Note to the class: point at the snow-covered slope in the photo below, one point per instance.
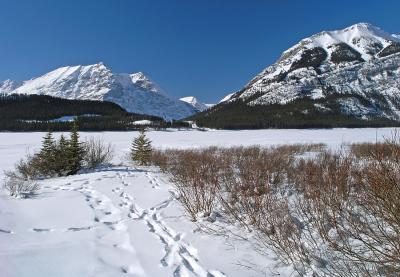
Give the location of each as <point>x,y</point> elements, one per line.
<point>193,101</point>
<point>134,92</point>
<point>8,85</point>
<point>359,64</point>
<point>227,97</point>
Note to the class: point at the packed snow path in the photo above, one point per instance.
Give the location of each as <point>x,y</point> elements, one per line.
<point>121,221</point>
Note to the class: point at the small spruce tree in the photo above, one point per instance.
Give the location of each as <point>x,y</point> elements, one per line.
<point>46,157</point>
<point>75,151</point>
<point>141,149</point>
<point>61,153</point>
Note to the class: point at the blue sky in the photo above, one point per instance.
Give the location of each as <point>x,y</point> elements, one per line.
<point>202,48</point>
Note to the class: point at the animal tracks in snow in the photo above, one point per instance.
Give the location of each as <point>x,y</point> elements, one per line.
<point>153,181</point>
<point>177,253</point>
<point>6,231</point>
<point>111,212</point>
<point>41,230</point>
<point>117,237</point>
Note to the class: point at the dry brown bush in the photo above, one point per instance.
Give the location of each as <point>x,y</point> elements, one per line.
<point>97,152</point>
<point>196,175</point>
<point>160,158</point>
<point>334,214</point>
<point>354,205</point>
<point>370,150</point>
<point>256,196</point>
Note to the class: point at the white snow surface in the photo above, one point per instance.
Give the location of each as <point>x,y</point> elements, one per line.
<point>124,220</point>
<point>142,122</point>
<point>70,118</point>
<point>134,92</point>
<point>226,98</point>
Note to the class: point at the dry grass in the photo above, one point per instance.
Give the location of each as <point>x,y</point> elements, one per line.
<point>18,186</point>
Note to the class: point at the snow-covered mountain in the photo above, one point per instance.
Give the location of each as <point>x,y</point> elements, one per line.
<point>198,105</point>
<point>134,92</point>
<point>356,69</point>
<point>8,86</point>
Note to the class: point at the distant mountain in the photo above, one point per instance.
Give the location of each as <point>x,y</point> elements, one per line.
<point>134,92</point>
<point>193,101</point>
<point>333,78</point>
<point>8,86</point>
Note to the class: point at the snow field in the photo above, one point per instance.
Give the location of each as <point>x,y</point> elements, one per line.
<point>126,221</point>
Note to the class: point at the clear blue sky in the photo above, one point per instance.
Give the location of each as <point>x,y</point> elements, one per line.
<point>202,48</point>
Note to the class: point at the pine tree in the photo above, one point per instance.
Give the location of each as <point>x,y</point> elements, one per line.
<point>75,151</point>
<point>141,149</point>
<point>61,162</point>
<point>46,156</point>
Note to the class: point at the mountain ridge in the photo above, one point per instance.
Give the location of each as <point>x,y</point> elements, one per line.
<point>134,92</point>
<point>196,103</point>
<point>359,66</point>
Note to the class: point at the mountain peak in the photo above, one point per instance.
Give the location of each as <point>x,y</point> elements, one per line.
<point>133,92</point>
<point>142,81</point>
<point>140,77</point>
<point>8,85</point>
<point>193,101</point>
<point>361,61</point>
<point>6,82</point>
<point>363,26</point>
<point>329,50</point>
<point>99,66</point>
<point>367,29</point>
<point>358,35</point>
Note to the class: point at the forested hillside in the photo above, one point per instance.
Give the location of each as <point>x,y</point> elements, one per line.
<point>41,112</point>
<point>300,113</point>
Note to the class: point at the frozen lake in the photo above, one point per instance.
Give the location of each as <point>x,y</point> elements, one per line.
<point>13,146</point>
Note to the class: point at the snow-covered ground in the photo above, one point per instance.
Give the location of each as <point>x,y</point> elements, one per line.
<point>124,220</point>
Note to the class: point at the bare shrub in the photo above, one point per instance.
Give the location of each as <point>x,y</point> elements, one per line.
<point>29,168</point>
<point>354,206</point>
<point>373,221</point>
<point>334,214</point>
<point>378,225</point>
<point>196,177</point>
<point>323,182</point>
<point>255,195</point>
<point>18,186</point>
<point>97,152</point>
<point>369,150</point>
<point>160,158</point>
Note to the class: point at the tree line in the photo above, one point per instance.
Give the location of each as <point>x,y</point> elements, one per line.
<point>40,113</point>
<point>298,114</point>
